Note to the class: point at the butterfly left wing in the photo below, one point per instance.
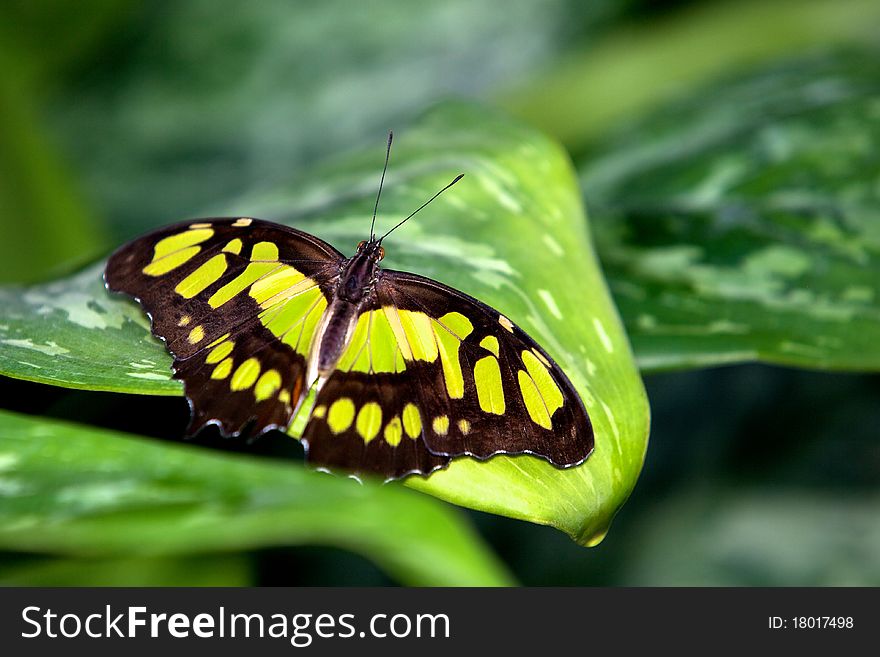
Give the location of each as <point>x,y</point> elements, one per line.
<point>237,302</point>
<point>432,373</point>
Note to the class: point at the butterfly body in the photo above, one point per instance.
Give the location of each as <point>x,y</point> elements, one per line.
<point>355,289</point>
<point>406,373</point>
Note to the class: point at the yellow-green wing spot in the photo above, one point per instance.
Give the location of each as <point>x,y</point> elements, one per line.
<point>490,343</point>
<point>168,245</point>
<point>490,392</point>
<point>533,401</point>
<point>265,251</point>
<point>171,262</point>
<point>449,331</point>
<point>220,352</point>
<point>440,425</point>
<point>540,391</point>
<point>393,431</point>
<point>222,370</point>
<point>196,335</point>
<point>233,246</point>
<point>412,421</point>
<point>340,415</point>
<point>267,384</point>
<point>547,386</point>
<point>369,421</point>
<point>171,252</point>
<point>246,375</point>
<point>203,277</point>
<point>544,381</point>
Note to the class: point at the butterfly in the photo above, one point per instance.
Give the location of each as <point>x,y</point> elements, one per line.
<point>403,373</point>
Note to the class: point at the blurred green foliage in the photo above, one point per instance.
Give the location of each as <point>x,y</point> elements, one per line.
<point>740,222</point>
<point>728,160</point>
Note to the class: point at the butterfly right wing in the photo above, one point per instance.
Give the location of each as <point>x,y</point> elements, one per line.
<point>430,374</point>
<point>237,302</point>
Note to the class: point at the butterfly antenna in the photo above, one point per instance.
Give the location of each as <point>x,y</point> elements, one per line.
<point>457,178</point>
<point>381,182</point>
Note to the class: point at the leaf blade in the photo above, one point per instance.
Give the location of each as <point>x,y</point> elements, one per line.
<point>85,492</point>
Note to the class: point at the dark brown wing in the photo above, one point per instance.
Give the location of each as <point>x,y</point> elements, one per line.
<point>455,375</point>
<point>237,301</point>
<point>383,435</point>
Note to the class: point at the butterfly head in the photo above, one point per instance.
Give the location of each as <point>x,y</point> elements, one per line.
<point>372,249</point>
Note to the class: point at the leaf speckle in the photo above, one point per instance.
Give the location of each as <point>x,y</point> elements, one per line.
<point>49,348</point>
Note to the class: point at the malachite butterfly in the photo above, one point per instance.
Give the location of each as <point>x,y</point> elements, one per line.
<point>401,373</point>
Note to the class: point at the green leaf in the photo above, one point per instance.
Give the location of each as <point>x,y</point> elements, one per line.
<point>72,333</point>
<point>741,223</point>
<point>72,490</point>
<point>200,570</point>
<point>512,234</point>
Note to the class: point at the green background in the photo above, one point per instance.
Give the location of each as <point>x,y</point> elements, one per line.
<point>727,156</point>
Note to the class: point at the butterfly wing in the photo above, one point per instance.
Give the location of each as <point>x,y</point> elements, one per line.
<point>237,302</point>
<point>432,373</point>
